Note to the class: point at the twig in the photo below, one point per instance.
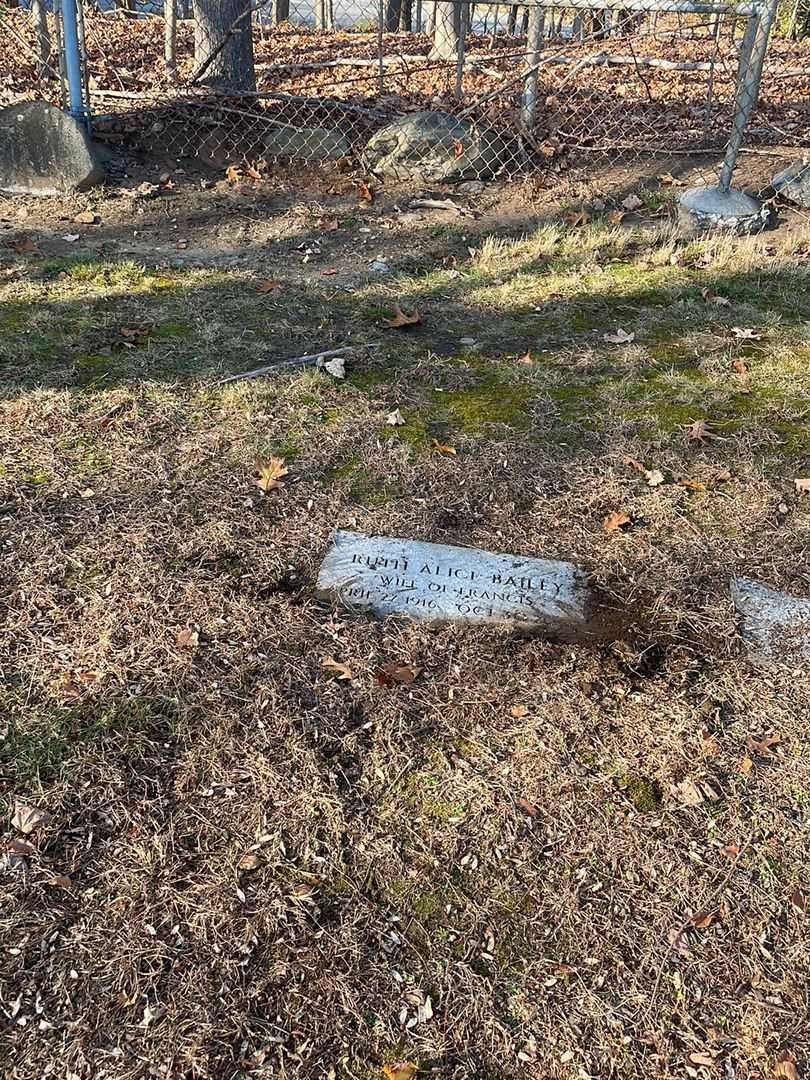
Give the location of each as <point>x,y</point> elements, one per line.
<point>294,361</point>
<point>440,204</point>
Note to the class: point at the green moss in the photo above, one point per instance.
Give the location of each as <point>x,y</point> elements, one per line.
<point>492,401</point>
<point>172,330</point>
<point>643,793</point>
<point>365,486</point>
<point>12,317</point>
<point>445,811</point>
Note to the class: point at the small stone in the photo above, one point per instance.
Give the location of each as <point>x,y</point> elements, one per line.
<point>444,583</point>
<point>774,625</point>
<point>44,151</point>
<point>85,217</point>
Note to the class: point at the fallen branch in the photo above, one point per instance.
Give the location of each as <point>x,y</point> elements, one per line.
<point>440,204</point>
<point>293,362</point>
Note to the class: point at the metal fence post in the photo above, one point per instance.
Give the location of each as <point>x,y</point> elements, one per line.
<point>73,63</point>
<point>752,58</point>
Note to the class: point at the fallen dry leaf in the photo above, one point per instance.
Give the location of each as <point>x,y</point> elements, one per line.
<point>616,217</point>
<point>397,674</point>
<point>336,367</point>
<point>712,297</point>
<point>85,217</point>
<point>740,367</point>
<point>802,485</point>
<point>654,477</point>
<point>615,521</point>
<point>785,1067</point>
<point>249,861</point>
<point>527,807</point>
<point>188,638</point>
<point>698,431</point>
<point>687,792</point>
<point>330,271</point>
<point>525,359</point>
<point>632,202</point>
<point>443,448</point>
<point>745,333</point>
<point>402,318</point>
<point>632,463</point>
<point>328,224</point>
<point>24,246</point>
<point>703,919</point>
<point>340,671</point>
<point>268,286</point>
<point>519,711</point>
<point>763,746</point>
<point>17,851</point>
<point>27,818</point>
<point>366,193</point>
<point>270,474</point>
<point>621,337</point>
<point>577,217</point>
<point>746,765</point>
<point>400,1070</point>
<point>395,418</point>
<point>701,1058</point>
<point>60,881</point>
<point>233,174</point>
<point>798,900</point>
<point>693,485</point>
<point>731,850</point>
<point>668,178</point>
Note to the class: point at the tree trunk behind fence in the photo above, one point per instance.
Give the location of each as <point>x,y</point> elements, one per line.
<point>446,33</point>
<point>281,11</point>
<point>170,39</point>
<point>43,38</point>
<point>406,15</point>
<point>324,15</point>
<point>393,11</point>
<point>232,67</point>
<point>511,22</point>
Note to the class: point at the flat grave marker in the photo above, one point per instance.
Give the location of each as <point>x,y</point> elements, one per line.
<point>775,626</point>
<point>442,582</point>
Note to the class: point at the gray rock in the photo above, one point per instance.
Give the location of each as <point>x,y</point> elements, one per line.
<point>306,144</point>
<point>775,626</point>
<point>436,146</point>
<point>44,151</point>
<point>708,209</point>
<point>794,183</point>
<point>456,584</point>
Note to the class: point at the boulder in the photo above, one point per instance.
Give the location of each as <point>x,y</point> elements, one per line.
<point>306,144</point>
<point>44,151</point>
<point>794,183</point>
<point>436,146</point>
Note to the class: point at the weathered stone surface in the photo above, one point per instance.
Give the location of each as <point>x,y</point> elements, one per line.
<point>794,183</point>
<point>44,151</point>
<point>708,209</point>
<point>445,583</point>
<point>435,146</point>
<point>775,626</point>
<point>306,144</point>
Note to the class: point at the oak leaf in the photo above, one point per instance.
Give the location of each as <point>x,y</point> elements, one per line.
<point>621,337</point>
<point>395,418</point>
<point>785,1068</point>
<point>698,431</point>
<point>233,174</point>
<point>340,671</point>
<point>400,1070</point>
<point>577,217</point>
<point>366,193</point>
<point>402,318</point>
<point>615,520</point>
<point>188,638</point>
<point>745,333</point>
<point>397,674</point>
<point>268,286</point>
<point>654,477</point>
<point>740,367</point>
<point>616,217</point>
<point>27,818</point>
<point>443,448</point>
<point>25,246</point>
<point>712,297</point>
<point>270,474</point>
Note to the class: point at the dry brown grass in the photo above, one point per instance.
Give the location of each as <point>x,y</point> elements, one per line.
<point>270,868</point>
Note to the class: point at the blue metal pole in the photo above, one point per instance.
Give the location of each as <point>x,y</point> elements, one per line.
<point>73,65</point>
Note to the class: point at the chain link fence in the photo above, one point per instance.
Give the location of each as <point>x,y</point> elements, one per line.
<point>446,91</point>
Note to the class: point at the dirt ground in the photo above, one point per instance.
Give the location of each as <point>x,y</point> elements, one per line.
<point>525,859</point>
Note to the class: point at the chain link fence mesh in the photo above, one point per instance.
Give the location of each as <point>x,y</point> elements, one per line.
<point>430,91</point>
